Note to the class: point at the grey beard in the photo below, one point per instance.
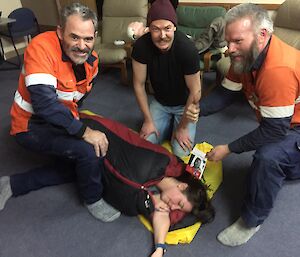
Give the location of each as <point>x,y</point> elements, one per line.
<point>238,67</point>
<point>245,67</point>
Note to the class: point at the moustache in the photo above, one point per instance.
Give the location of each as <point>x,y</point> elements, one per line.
<point>164,40</point>
<point>76,49</point>
<point>234,54</point>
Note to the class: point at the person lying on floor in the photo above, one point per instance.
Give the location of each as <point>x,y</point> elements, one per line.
<point>139,178</point>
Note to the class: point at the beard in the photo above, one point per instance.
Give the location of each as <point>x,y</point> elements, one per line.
<point>71,52</point>
<point>78,59</point>
<point>249,57</point>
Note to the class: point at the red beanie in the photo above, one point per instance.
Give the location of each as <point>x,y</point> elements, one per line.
<point>162,10</point>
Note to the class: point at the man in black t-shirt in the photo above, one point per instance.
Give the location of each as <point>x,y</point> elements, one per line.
<point>172,63</point>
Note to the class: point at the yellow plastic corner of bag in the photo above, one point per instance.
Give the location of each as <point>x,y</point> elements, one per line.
<point>178,236</point>
<point>213,177</point>
<point>87,112</point>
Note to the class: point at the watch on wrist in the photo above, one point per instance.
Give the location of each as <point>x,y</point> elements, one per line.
<point>163,246</point>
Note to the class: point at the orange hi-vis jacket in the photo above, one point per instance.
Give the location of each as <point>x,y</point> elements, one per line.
<point>44,66</point>
<point>274,90</point>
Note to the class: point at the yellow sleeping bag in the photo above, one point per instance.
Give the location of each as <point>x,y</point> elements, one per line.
<point>213,177</point>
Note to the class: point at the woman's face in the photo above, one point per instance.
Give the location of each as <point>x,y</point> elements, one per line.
<point>176,199</point>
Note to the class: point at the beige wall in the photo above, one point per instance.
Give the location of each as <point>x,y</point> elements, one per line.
<point>7,6</point>
<point>44,10</point>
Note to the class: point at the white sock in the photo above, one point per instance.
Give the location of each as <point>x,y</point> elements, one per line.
<point>103,211</point>
<point>5,191</point>
<point>237,234</point>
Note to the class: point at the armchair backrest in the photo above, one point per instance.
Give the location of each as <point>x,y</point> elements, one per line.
<point>286,23</point>
<point>117,14</point>
<point>194,20</point>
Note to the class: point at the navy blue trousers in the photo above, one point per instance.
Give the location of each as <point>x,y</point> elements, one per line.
<point>75,160</point>
<point>272,165</point>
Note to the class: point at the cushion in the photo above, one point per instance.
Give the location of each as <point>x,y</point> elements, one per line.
<point>109,53</point>
<point>213,177</point>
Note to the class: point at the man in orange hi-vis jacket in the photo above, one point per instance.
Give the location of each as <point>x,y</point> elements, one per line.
<point>58,72</point>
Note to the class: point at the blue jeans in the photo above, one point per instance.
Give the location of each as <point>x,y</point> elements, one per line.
<point>166,120</point>
<point>272,164</point>
<point>75,160</point>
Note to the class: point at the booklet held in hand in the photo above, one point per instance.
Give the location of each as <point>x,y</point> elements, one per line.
<point>197,163</point>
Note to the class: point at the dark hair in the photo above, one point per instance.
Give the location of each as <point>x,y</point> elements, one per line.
<point>196,193</point>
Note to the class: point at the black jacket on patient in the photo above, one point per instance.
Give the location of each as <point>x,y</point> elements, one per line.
<point>132,165</point>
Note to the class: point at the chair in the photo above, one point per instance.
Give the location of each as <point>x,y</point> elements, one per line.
<point>286,23</point>
<point>206,27</point>
<point>117,14</point>
<point>26,25</point>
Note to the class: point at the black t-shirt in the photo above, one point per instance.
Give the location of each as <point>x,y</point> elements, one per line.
<point>167,70</point>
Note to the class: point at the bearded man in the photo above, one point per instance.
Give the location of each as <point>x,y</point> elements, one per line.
<point>268,72</point>
<point>58,72</point>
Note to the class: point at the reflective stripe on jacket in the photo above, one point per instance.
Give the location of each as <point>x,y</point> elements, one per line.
<point>44,66</point>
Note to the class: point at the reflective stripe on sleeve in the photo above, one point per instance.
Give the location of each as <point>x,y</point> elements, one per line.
<point>22,103</point>
<point>230,85</point>
<point>252,104</point>
<point>40,78</point>
<point>297,100</point>
<point>69,96</point>
<point>277,112</point>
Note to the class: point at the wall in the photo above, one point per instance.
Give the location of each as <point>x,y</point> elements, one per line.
<point>7,7</point>
<point>44,10</point>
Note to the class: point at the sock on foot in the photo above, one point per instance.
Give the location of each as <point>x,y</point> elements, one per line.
<point>5,191</point>
<point>103,211</point>
<point>237,234</point>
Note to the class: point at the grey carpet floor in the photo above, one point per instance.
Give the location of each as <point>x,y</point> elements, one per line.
<point>52,222</point>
